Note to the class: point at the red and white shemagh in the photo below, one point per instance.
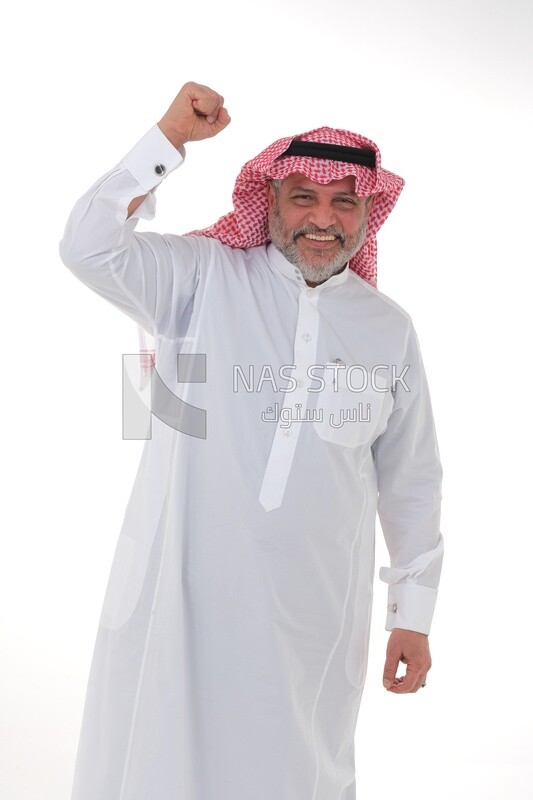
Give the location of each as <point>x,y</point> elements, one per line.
<point>247,225</point>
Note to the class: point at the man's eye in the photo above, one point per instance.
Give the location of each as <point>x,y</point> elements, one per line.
<point>301,197</point>
<point>347,201</point>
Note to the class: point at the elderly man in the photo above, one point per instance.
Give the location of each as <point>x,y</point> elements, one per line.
<point>232,648</point>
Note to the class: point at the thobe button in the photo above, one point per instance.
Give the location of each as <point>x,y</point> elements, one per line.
<point>393,608</point>
<point>309,292</point>
<point>307,337</point>
<point>299,383</point>
<point>287,432</point>
<point>160,169</point>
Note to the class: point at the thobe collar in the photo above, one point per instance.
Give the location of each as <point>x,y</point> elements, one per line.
<point>280,264</point>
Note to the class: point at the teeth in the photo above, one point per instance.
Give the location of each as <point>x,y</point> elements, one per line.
<point>319,238</point>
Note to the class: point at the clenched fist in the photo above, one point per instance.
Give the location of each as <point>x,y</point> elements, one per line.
<point>197,112</point>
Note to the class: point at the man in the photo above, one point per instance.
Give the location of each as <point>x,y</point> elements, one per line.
<point>232,648</point>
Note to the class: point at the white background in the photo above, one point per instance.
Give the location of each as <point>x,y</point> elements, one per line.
<point>444,89</point>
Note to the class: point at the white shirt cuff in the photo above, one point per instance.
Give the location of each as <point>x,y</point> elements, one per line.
<point>153,158</point>
<point>411,606</point>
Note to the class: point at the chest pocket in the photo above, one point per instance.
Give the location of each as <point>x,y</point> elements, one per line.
<point>351,416</point>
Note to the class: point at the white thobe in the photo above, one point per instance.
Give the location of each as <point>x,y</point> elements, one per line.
<point>232,646</point>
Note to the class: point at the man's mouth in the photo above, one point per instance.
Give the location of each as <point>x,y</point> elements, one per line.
<point>320,237</point>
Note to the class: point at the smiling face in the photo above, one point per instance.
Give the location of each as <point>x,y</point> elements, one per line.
<point>318,227</point>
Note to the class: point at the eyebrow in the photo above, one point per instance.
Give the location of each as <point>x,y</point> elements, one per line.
<point>313,191</point>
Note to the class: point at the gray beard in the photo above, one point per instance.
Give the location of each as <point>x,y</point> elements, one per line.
<point>312,274</point>
<point>319,274</point>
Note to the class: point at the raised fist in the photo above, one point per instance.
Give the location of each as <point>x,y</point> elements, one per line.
<point>197,112</point>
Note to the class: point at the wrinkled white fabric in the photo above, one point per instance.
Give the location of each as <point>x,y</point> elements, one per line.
<point>232,647</point>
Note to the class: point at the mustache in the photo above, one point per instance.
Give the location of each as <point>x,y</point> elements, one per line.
<point>331,231</point>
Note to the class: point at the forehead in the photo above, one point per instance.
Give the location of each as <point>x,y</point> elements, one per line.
<point>296,179</point>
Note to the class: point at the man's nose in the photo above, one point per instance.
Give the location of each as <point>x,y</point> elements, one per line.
<point>323,216</point>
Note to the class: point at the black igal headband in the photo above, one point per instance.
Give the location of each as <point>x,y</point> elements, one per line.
<point>335,152</point>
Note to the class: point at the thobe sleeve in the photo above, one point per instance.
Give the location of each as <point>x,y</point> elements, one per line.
<point>149,276</point>
<point>409,478</point>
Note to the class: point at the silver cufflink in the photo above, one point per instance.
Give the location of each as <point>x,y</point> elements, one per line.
<point>160,169</point>
<point>393,608</point>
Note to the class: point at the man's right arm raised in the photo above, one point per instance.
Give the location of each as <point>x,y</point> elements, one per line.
<point>141,273</point>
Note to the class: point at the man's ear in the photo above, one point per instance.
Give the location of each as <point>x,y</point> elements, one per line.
<point>370,203</point>
<point>271,195</point>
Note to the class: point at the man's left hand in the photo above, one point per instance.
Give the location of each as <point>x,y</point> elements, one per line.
<point>411,648</point>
